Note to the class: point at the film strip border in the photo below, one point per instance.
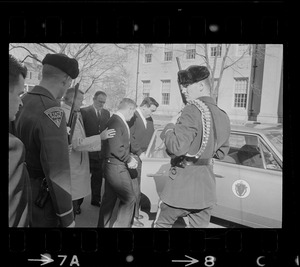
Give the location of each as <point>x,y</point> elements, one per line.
<point>127,247</point>
<point>231,29</point>
<point>203,22</point>
<point>151,23</point>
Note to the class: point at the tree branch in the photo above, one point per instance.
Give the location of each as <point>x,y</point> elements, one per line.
<point>63,48</point>
<point>31,55</point>
<point>80,51</point>
<point>215,88</point>
<point>93,81</point>
<point>98,76</point>
<point>47,47</point>
<point>234,62</point>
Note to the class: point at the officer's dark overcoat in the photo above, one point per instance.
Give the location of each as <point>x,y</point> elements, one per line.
<point>41,125</point>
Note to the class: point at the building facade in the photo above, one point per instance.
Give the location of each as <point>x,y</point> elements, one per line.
<point>34,74</point>
<point>250,78</point>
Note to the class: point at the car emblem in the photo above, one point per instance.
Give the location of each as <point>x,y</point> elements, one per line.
<point>173,170</point>
<point>241,188</point>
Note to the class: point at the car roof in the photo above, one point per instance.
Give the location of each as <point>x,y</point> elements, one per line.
<point>254,127</point>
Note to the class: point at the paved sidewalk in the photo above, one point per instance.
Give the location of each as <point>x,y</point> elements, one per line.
<point>89,216</point>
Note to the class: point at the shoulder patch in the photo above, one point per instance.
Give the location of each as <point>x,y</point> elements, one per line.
<point>55,114</point>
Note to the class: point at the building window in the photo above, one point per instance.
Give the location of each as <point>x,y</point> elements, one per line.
<point>166,89</point>
<point>168,56</point>
<point>243,49</point>
<point>168,52</point>
<point>165,99</point>
<point>148,53</point>
<point>216,50</point>
<point>240,92</point>
<point>148,58</point>
<point>190,51</point>
<point>146,88</point>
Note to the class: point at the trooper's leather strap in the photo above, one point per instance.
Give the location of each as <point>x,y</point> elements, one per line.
<point>206,122</point>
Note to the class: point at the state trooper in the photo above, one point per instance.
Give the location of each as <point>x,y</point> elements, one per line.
<point>41,125</point>
<point>200,134</point>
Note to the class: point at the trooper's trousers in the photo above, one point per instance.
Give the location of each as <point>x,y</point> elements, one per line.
<point>167,215</point>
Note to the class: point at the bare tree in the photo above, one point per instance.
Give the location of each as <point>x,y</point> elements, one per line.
<point>96,61</point>
<point>226,63</point>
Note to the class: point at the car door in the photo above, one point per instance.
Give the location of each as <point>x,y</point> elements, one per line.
<point>248,192</point>
<point>155,170</point>
<point>247,195</point>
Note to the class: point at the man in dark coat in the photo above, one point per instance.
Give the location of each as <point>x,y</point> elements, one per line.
<point>141,130</point>
<point>95,119</point>
<point>200,133</point>
<point>41,125</point>
<point>118,184</point>
<point>19,194</point>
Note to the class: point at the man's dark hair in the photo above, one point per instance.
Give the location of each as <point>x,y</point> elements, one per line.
<point>148,101</point>
<point>15,69</point>
<point>99,93</point>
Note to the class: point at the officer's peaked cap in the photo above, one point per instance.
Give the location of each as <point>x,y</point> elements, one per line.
<point>192,74</point>
<point>64,63</point>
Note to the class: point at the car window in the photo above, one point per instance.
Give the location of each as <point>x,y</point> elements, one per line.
<point>157,147</point>
<point>276,139</point>
<point>270,159</point>
<point>244,150</point>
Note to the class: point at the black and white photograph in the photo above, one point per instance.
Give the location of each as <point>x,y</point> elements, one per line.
<point>145,135</point>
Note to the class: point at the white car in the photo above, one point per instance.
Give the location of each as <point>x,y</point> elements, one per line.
<point>249,178</point>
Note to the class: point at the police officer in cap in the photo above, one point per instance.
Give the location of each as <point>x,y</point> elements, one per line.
<point>41,125</point>
<point>201,133</point>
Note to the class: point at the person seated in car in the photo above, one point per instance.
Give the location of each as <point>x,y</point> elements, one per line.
<point>249,155</point>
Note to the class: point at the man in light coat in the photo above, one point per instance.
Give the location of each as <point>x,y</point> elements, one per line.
<point>19,195</point>
<point>80,146</point>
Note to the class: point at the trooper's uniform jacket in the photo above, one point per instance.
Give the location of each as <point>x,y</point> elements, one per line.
<point>194,186</point>
<point>41,125</point>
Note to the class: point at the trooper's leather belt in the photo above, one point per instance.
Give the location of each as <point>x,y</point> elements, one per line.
<point>198,162</point>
